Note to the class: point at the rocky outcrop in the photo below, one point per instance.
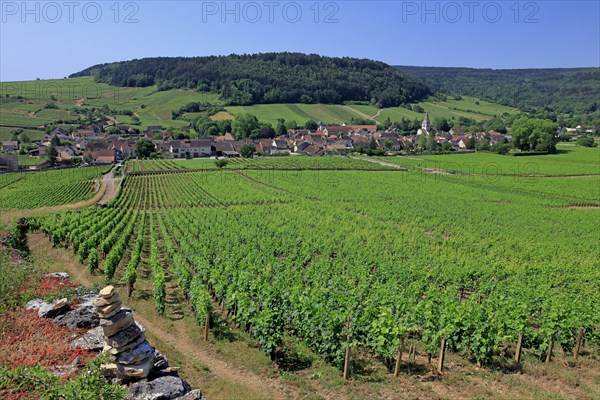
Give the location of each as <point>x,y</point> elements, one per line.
<point>92,340</point>
<point>78,314</point>
<point>123,337</point>
<point>164,388</point>
<point>58,307</point>
<point>82,317</point>
<point>195,394</point>
<point>115,331</point>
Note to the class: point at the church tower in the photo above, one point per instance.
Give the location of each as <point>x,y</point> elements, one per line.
<point>426,126</point>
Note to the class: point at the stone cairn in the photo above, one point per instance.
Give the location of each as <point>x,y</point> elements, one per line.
<point>124,338</point>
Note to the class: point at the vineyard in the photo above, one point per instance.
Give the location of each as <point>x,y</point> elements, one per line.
<point>50,188</point>
<point>282,163</point>
<point>358,259</point>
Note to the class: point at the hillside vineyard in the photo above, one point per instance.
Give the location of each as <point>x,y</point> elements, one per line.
<point>357,258</point>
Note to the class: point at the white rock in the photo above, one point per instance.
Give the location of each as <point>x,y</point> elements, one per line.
<point>36,304</point>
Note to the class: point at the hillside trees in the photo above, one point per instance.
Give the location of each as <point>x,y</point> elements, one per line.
<point>270,78</point>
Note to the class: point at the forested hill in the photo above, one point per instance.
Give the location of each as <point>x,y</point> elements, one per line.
<point>269,78</point>
<point>559,90</point>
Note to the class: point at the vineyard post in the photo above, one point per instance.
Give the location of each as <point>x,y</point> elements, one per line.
<point>519,349</point>
<point>550,348</point>
<point>347,358</point>
<point>206,324</point>
<point>411,353</point>
<point>399,358</point>
<point>578,345</point>
<point>347,362</point>
<point>440,366</point>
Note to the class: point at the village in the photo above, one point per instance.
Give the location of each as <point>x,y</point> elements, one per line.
<point>94,145</point>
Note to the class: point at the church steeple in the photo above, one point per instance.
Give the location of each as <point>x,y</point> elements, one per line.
<point>426,126</point>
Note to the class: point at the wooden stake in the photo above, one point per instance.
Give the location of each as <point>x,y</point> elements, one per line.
<point>348,338</point>
<point>519,349</point>
<point>347,363</point>
<point>399,357</point>
<point>578,345</point>
<point>206,323</point>
<point>440,366</point>
<point>550,348</point>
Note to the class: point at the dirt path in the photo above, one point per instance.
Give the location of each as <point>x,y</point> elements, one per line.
<point>268,387</point>
<point>111,188</point>
<point>385,164</point>
<point>376,115</point>
<point>362,114</point>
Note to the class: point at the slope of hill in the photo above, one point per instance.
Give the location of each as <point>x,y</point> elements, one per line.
<point>558,90</point>
<point>33,106</point>
<point>269,78</point>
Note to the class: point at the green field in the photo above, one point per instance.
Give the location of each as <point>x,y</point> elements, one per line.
<point>330,113</point>
<point>570,160</point>
<point>29,161</point>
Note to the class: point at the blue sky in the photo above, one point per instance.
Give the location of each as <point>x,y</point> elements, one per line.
<point>54,39</point>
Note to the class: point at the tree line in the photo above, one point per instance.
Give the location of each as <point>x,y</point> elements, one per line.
<point>269,78</point>
<point>558,93</point>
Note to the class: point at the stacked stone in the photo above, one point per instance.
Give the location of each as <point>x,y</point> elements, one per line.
<point>124,338</point>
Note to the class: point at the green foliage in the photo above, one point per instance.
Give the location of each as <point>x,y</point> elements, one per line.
<point>48,188</point>
<point>158,274</point>
<point>245,125</point>
<point>221,163</point>
<point>534,134</point>
<point>88,384</point>
<point>557,90</point>
<point>586,141</point>
<point>247,150</point>
<point>144,149</point>
<point>197,107</point>
<point>500,148</point>
<point>11,279</point>
<point>51,156</point>
<point>93,260</point>
<point>269,78</point>
<point>200,300</point>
